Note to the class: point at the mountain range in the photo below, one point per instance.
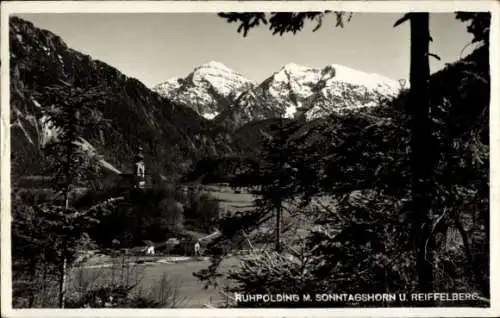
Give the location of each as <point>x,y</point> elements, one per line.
<point>219,93</point>
<point>213,112</point>
<point>171,135</point>
<point>180,120</point>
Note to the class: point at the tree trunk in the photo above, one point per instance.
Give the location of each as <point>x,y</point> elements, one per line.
<point>475,273</point>
<point>62,279</point>
<point>421,163</point>
<point>44,284</point>
<point>282,159</point>
<point>64,261</point>
<point>278,227</point>
<point>68,176</point>
<point>33,277</point>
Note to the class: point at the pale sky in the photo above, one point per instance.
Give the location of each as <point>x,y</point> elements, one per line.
<point>156,47</point>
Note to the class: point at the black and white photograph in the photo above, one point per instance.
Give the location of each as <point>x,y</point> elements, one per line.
<point>335,158</point>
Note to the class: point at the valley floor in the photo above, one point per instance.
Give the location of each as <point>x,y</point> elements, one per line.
<point>179,274</point>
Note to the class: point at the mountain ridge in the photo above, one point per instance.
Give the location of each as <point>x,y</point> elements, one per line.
<point>205,89</point>
<point>170,132</point>
<point>293,90</point>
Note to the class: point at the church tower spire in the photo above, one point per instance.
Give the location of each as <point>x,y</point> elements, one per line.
<point>139,169</point>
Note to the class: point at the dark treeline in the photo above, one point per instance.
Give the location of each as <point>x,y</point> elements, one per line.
<point>408,181</point>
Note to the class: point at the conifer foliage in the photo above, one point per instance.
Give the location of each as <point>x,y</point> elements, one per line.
<point>71,110</point>
<point>402,216</point>
<point>276,173</point>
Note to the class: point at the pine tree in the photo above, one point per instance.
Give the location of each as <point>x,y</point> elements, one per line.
<point>70,111</point>
<point>419,76</point>
<point>277,183</point>
<point>274,178</point>
<point>423,149</point>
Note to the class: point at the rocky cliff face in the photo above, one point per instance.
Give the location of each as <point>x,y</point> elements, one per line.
<point>317,92</point>
<point>209,89</point>
<point>171,134</point>
<point>218,93</point>
<point>459,98</point>
<point>170,123</point>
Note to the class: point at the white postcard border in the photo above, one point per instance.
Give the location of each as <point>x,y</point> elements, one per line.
<point>8,8</point>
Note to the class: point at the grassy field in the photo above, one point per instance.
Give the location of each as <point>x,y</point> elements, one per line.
<point>99,269</point>
<point>292,225</point>
<point>190,291</point>
<point>229,200</point>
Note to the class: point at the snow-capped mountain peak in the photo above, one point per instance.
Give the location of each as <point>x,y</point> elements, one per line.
<point>171,84</point>
<point>295,68</point>
<point>333,72</point>
<point>369,80</point>
<point>292,78</point>
<point>319,91</point>
<point>223,79</point>
<point>214,89</point>
<point>214,65</point>
<point>206,89</point>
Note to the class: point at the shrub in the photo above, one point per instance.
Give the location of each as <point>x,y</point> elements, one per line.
<point>201,211</point>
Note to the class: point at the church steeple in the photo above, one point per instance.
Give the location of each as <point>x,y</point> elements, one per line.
<point>139,169</point>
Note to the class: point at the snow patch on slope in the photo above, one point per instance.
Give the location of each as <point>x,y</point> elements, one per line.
<point>371,81</point>
<point>212,88</point>
<point>206,88</point>
<point>211,115</point>
<point>322,89</point>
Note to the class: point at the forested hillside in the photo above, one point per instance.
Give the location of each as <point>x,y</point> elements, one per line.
<point>170,134</point>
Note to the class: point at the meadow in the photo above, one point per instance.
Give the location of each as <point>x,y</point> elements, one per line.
<point>179,286</point>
